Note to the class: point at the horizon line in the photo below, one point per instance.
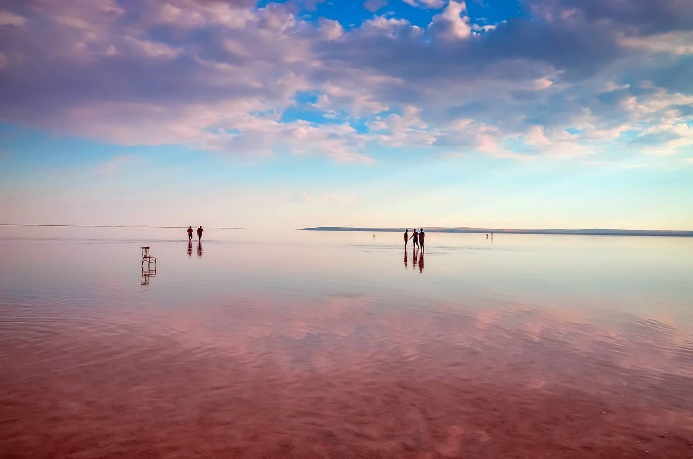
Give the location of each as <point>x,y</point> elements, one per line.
<point>435,229</point>
<point>62,225</point>
<point>558,231</point>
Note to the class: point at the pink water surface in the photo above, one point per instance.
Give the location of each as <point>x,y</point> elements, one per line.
<point>314,345</point>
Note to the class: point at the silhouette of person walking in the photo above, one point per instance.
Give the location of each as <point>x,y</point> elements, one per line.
<point>199,233</point>
<point>190,231</point>
<point>422,235</point>
<point>406,238</point>
<point>415,236</point>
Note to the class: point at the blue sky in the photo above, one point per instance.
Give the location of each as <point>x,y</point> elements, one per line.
<point>531,113</point>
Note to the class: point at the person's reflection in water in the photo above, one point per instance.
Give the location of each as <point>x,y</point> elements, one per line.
<point>199,249</point>
<point>421,261</point>
<point>190,248</point>
<point>405,257</point>
<point>414,252</point>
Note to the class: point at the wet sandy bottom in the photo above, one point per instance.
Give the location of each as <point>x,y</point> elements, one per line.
<point>335,378</point>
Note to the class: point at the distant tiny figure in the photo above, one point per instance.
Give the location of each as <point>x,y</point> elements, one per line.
<point>486,235</point>
<point>406,239</point>
<point>190,231</point>
<point>422,235</point>
<point>415,237</point>
<point>199,233</point>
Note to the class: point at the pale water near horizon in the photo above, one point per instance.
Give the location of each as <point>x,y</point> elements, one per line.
<point>321,344</point>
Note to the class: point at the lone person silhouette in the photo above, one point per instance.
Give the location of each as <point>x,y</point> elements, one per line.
<point>199,233</point>
<point>415,236</point>
<point>422,235</point>
<point>406,238</point>
<point>190,233</point>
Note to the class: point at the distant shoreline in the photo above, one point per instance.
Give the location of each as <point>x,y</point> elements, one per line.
<point>460,230</point>
<point>111,226</point>
<point>576,232</point>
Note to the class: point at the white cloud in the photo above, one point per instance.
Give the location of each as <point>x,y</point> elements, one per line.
<point>191,13</point>
<point>374,5</point>
<point>331,30</point>
<point>452,24</point>
<point>407,129</point>
<point>536,136</point>
<point>358,99</point>
<point>434,4</point>
<point>380,25</point>
<point>666,138</point>
<point>483,28</point>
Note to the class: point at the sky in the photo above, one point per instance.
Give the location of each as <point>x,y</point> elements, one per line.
<point>390,113</point>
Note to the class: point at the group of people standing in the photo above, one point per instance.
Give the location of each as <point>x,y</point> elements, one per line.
<point>199,233</point>
<point>418,238</point>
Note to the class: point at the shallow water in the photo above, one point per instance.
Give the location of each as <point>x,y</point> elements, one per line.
<point>312,344</point>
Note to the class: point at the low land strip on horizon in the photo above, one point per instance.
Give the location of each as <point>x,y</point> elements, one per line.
<point>62,225</point>
<point>464,229</point>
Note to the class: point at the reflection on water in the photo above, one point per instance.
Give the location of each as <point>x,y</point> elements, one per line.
<point>146,274</point>
<point>321,348</point>
<point>417,256</point>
